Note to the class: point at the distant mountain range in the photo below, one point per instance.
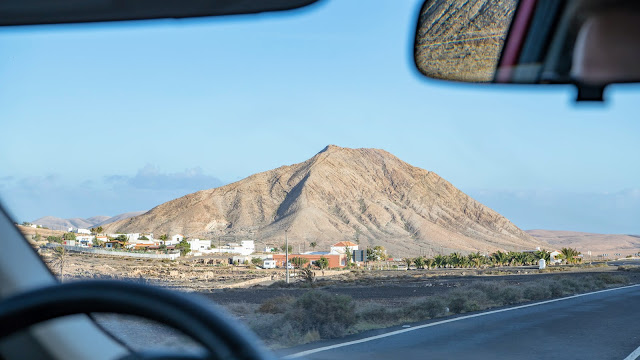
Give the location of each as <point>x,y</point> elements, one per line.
<point>56,223</point>
<point>363,195</point>
<point>596,243</point>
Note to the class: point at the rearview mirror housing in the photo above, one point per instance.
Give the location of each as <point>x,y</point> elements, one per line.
<point>588,43</point>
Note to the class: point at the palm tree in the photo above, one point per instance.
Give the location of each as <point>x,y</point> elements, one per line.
<point>99,230</point>
<point>542,255</point>
<point>570,255</point>
<point>500,258</point>
<point>440,261</point>
<point>456,260</point>
<point>420,262</point>
<point>313,245</point>
<point>59,259</point>
<point>408,261</point>
<point>430,263</point>
<point>512,257</point>
<point>476,259</point>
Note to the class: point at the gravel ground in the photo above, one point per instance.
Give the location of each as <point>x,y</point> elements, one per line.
<point>392,287</point>
<point>389,288</point>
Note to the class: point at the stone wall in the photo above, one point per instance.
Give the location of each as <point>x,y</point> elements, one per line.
<point>116,253</point>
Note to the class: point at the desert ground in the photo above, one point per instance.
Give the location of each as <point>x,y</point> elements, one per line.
<point>378,298</point>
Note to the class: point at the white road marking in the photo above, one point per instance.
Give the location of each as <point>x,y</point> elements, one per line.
<point>634,355</point>
<point>398,332</point>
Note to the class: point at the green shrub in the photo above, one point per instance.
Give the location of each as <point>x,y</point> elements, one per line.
<point>377,314</point>
<point>511,295</point>
<point>611,279</point>
<point>429,308</point>
<point>457,304</point>
<point>467,300</point>
<point>536,291</point>
<point>330,315</point>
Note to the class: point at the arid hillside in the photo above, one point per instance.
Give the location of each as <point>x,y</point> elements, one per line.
<point>363,195</point>
<point>598,244</point>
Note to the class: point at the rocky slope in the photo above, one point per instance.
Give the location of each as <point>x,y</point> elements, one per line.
<point>339,194</point>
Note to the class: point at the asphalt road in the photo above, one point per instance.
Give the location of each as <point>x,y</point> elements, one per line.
<point>634,262</point>
<point>604,325</point>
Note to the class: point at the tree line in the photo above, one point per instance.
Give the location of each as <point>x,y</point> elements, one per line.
<point>498,258</point>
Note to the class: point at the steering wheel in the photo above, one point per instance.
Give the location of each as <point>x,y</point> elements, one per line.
<point>221,336</point>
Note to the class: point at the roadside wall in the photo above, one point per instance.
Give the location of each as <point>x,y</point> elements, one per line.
<point>115,253</point>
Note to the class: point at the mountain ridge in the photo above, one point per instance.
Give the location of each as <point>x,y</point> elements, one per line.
<point>368,195</point>
<point>57,223</point>
<point>625,244</point>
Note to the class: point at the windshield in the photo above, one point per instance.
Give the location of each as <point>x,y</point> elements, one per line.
<point>297,169</point>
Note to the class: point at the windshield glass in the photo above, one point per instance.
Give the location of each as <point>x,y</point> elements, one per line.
<point>297,169</point>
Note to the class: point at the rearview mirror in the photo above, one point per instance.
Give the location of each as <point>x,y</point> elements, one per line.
<point>589,43</point>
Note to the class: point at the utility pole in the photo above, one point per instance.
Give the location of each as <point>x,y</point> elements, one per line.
<point>286,254</point>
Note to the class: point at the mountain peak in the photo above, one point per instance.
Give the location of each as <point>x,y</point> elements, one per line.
<point>341,194</point>
<point>330,147</point>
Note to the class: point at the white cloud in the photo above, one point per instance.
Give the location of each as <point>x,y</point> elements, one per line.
<point>151,178</point>
<point>29,198</point>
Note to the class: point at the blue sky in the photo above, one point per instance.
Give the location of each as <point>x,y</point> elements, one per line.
<point>105,119</point>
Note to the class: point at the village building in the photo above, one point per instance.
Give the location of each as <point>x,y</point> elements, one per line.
<point>245,247</point>
<point>175,240</point>
<point>341,247</point>
<point>85,240</point>
<point>197,245</point>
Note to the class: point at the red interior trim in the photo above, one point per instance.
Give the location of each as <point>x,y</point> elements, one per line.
<point>515,39</point>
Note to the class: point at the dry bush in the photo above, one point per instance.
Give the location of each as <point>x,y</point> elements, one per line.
<point>330,315</point>
<point>276,305</point>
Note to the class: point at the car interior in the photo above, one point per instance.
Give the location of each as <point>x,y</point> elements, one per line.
<point>590,44</point>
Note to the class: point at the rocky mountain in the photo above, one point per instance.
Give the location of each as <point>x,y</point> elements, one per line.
<point>364,195</point>
<point>119,217</point>
<point>57,223</point>
<point>596,243</point>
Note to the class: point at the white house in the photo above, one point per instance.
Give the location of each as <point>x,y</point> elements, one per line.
<point>131,238</point>
<point>84,240</point>
<point>197,245</point>
<point>245,247</point>
<point>553,255</point>
<point>175,239</point>
<point>269,264</point>
<point>82,231</point>
<point>340,247</point>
